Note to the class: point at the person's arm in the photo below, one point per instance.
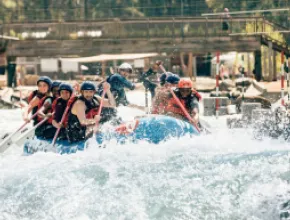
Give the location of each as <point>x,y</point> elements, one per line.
<point>80,110</point>
<point>46,105</point>
<point>28,109</point>
<point>56,124</point>
<point>127,83</point>
<point>110,102</point>
<point>195,110</point>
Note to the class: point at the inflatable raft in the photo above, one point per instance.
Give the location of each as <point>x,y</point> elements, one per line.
<point>153,129</point>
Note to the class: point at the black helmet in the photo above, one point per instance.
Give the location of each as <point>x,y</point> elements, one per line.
<point>87,85</point>
<point>65,86</point>
<point>55,84</point>
<point>45,79</point>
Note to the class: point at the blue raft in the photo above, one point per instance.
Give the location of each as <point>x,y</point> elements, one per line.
<point>153,129</point>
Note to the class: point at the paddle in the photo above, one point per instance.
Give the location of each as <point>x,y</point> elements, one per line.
<point>61,123</point>
<point>100,110</point>
<point>19,140</point>
<point>30,132</point>
<point>7,141</point>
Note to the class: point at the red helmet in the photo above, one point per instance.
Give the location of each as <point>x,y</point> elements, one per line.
<point>185,84</point>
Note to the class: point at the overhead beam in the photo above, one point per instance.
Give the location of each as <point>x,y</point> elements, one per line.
<point>258,33</point>
<point>8,37</point>
<point>246,12</point>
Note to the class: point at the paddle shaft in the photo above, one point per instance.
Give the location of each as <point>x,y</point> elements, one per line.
<point>100,108</point>
<point>61,122</point>
<point>184,110</point>
<point>22,126</point>
<point>5,144</point>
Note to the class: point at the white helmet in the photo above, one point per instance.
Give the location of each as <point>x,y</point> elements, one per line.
<point>126,67</point>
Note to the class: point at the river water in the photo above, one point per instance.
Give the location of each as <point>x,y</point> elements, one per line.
<point>224,175</point>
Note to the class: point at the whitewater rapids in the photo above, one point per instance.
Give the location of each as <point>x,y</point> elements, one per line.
<point>226,175</point>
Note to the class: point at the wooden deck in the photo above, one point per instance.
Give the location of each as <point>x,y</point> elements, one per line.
<point>86,38</point>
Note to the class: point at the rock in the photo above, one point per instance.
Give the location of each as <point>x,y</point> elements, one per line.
<point>247,109</point>
<point>220,94</point>
<point>246,82</point>
<point>226,85</point>
<point>210,102</point>
<point>265,103</point>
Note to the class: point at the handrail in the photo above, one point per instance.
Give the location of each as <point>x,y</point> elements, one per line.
<point>135,20</point>
<point>165,27</point>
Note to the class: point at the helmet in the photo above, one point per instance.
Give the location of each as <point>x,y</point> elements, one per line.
<point>185,84</point>
<point>45,79</point>
<point>126,67</point>
<point>172,79</point>
<point>65,86</point>
<point>55,84</point>
<point>87,85</point>
<point>163,77</point>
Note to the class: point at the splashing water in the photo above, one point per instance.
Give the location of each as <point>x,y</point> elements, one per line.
<point>224,175</point>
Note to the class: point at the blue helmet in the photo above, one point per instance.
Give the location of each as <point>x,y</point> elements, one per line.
<point>45,79</point>
<point>87,85</point>
<point>55,84</point>
<point>65,86</point>
<point>172,79</point>
<point>163,77</point>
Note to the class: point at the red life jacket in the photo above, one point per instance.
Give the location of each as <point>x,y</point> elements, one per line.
<point>40,104</point>
<point>55,101</point>
<point>69,105</point>
<point>31,96</point>
<point>174,107</point>
<point>160,101</point>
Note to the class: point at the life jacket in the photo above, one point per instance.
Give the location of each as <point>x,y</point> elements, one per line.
<point>57,101</point>
<point>33,94</point>
<point>160,101</point>
<point>173,106</point>
<point>75,130</point>
<point>49,110</point>
<point>92,107</point>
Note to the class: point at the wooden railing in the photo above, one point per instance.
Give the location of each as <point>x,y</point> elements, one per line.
<point>145,28</point>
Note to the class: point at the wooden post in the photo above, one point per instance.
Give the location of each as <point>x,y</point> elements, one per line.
<point>194,68</point>
<point>265,72</point>
<point>104,69</point>
<point>270,58</point>
<point>190,66</point>
<point>282,79</point>
<point>249,66</point>
<point>183,64</point>
<point>274,65</point>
